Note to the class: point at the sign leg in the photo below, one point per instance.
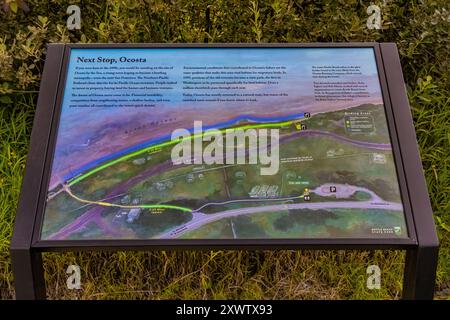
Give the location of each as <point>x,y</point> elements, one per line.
<point>420,273</point>
<point>28,273</point>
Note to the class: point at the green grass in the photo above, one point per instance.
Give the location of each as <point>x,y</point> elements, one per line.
<point>15,127</point>
<point>420,29</point>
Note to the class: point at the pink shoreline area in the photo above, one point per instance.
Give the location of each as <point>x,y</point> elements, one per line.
<point>114,145</point>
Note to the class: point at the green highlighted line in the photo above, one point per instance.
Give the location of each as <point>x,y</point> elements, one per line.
<point>168,143</point>
<point>165,206</point>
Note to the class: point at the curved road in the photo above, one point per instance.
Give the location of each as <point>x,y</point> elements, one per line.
<point>364,144</point>
<point>199,219</point>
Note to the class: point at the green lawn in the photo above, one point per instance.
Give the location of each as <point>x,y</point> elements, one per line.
<point>420,29</point>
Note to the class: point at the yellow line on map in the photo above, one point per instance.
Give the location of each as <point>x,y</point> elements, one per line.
<point>142,206</point>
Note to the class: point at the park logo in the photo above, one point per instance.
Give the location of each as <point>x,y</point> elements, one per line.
<point>227,146</point>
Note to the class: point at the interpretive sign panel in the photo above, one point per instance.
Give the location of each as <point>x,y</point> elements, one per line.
<point>317,161</point>
<point>153,146</point>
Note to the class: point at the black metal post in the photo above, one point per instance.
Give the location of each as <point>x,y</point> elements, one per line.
<point>28,271</point>
<point>27,262</point>
<point>420,273</point>
<point>421,261</point>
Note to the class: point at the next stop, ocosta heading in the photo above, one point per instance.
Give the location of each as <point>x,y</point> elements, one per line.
<point>109,60</point>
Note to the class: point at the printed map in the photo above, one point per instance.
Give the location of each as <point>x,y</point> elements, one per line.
<point>113,176</point>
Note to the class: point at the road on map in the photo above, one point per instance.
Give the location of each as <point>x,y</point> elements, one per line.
<point>199,219</point>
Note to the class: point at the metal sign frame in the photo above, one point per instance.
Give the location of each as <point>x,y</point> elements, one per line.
<point>421,245</point>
